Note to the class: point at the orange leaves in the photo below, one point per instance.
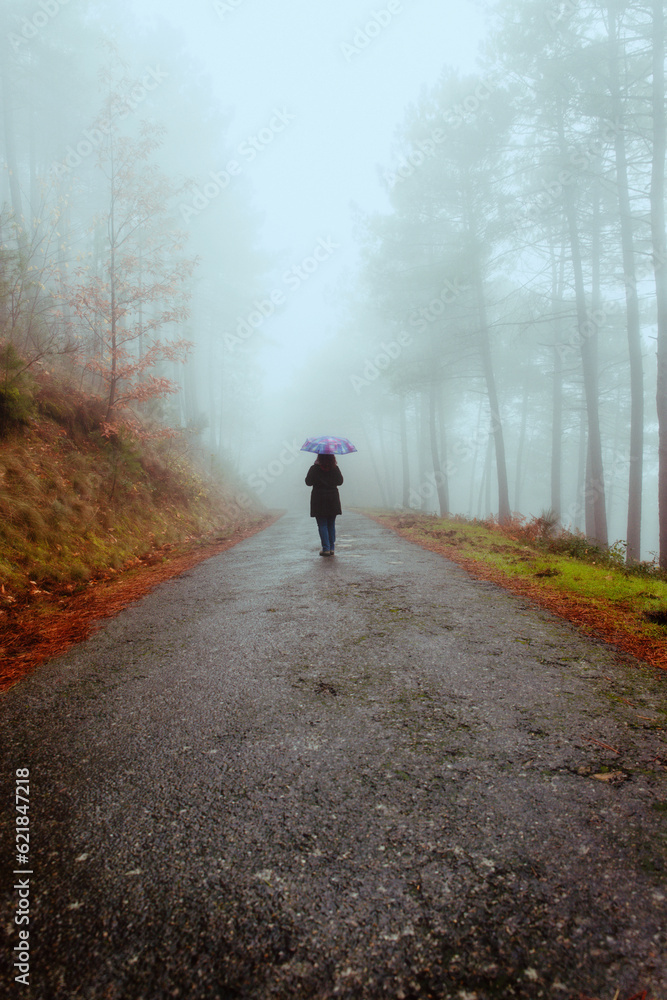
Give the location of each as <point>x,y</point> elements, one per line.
<point>151,387</point>
<point>137,282</point>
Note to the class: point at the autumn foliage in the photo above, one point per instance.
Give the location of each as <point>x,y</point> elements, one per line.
<point>130,297</point>
<point>115,311</point>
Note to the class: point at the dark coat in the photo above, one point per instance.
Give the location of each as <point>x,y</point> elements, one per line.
<point>324,498</point>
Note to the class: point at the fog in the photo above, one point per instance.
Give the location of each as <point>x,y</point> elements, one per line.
<point>432,228</point>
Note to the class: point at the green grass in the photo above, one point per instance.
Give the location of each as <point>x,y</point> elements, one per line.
<point>597,577</point>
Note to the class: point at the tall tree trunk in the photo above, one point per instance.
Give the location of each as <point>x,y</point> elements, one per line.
<point>475,456</point>
<point>589,494</point>
<point>557,435</point>
<point>387,460</point>
<point>581,470</point>
<point>435,450</point>
<point>588,336</point>
<point>557,288</point>
<point>660,260</point>
<point>405,458</point>
<point>484,504</point>
<point>616,450</point>
<point>494,406</point>
<point>518,477</point>
<point>376,472</point>
<point>633,534</point>
<point>444,454</point>
<point>592,333</point>
<point>422,444</point>
<point>484,341</point>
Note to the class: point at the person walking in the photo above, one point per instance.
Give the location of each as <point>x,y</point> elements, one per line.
<point>325,477</point>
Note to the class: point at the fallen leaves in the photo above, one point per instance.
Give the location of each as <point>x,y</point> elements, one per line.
<point>38,630</point>
<point>611,777</point>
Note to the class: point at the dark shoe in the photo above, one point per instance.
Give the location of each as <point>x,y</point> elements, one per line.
<point>332,553</point>
<point>325,552</point>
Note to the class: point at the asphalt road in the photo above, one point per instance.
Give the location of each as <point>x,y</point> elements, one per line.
<point>283,776</point>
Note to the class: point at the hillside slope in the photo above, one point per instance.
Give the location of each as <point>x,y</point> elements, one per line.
<point>78,512</point>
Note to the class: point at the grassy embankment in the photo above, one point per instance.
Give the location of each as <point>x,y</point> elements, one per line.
<point>562,572</point>
<point>87,525</point>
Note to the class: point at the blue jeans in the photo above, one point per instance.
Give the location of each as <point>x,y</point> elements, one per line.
<point>327,529</point>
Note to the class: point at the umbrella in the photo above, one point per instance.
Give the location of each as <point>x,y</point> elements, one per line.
<point>328,445</point>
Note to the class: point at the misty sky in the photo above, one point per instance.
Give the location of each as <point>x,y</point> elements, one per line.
<point>339,105</point>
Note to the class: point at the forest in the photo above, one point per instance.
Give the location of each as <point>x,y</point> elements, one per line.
<point>498,340</point>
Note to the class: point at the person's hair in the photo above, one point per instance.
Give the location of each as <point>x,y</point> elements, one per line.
<point>326,461</point>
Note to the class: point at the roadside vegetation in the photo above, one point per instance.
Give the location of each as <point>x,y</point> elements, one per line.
<point>75,505</point>
<point>81,509</point>
<point>587,583</point>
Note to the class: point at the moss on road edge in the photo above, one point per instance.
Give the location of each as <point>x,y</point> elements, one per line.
<point>535,575</point>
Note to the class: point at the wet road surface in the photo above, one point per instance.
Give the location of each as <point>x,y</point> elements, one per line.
<point>285,776</point>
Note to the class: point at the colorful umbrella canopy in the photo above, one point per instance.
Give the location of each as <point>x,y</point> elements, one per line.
<point>328,446</point>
